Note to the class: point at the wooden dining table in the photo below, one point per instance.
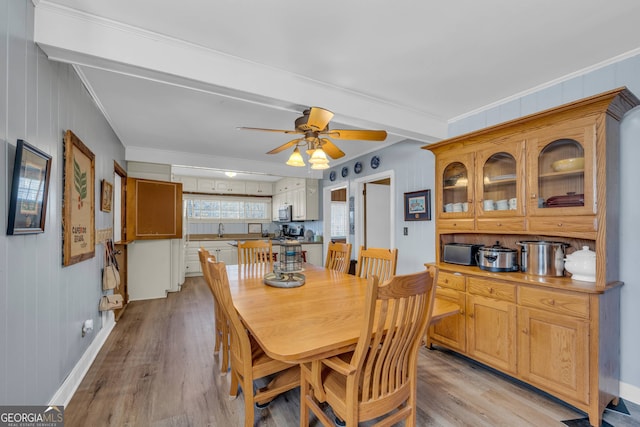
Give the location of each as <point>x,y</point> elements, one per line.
<point>319,319</point>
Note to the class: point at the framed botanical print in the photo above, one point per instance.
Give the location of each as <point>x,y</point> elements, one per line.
<point>78,215</point>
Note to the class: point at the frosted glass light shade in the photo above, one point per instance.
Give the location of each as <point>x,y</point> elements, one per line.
<point>295,159</point>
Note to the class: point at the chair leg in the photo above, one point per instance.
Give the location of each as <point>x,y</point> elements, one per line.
<point>233,389</point>
<point>224,365</point>
<point>304,392</point>
<point>247,390</point>
<point>216,346</point>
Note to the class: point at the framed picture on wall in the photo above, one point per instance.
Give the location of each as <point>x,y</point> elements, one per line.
<point>29,190</point>
<point>106,195</point>
<point>78,212</point>
<point>417,206</point>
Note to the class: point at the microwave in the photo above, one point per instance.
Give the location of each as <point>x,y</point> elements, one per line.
<point>284,213</point>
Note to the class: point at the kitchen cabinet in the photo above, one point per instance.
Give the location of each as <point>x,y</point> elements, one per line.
<point>561,168</point>
<point>491,323</point>
<point>259,188</point>
<point>553,341</point>
<point>217,186</point>
<point>302,194</point>
<point>189,183</point>
<point>451,331</point>
<point>154,209</point>
<point>221,249</point>
<point>314,253</point>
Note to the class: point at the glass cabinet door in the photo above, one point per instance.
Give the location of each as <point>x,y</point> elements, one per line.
<point>561,173</point>
<point>456,187</point>
<point>498,185</point>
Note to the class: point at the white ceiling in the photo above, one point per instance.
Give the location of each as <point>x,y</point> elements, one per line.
<point>176,78</point>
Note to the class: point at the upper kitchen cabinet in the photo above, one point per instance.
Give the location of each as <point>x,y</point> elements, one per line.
<point>154,209</point>
<point>548,173</point>
<point>561,178</point>
<point>454,190</point>
<point>218,186</point>
<point>259,188</point>
<point>302,194</point>
<point>189,183</point>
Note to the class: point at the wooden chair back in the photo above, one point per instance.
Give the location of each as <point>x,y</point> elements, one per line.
<point>221,327</point>
<point>255,251</point>
<point>338,257</point>
<point>248,360</point>
<point>380,262</point>
<point>379,377</point>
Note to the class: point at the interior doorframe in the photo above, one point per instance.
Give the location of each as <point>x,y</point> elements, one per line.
<point>326,214</point>
<point>359,207</point>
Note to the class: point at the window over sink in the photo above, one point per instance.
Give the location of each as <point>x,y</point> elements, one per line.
<point>217,208</point>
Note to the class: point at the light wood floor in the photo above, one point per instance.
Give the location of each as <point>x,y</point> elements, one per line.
<point>157,369</point>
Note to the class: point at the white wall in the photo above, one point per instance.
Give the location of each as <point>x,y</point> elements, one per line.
<point>413,170</point>
<point>42,304</point>
<point>623,73</point>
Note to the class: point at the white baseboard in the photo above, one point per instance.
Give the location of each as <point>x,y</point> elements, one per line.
<point>73,380</point>
<point>630,393</point>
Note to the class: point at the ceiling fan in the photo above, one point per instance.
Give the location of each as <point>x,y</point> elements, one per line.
<point>313,126</point>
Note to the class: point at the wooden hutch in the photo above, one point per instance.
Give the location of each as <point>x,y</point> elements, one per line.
<point>557,334</point>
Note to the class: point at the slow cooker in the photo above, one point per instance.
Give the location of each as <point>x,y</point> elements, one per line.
<point>497,258</point>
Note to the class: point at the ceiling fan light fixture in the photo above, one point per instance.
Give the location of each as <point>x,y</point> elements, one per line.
<point>296,159</point>
<point>320,166</point>
<point>319,157</point>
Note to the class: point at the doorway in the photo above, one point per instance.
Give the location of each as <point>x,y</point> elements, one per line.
<point>120,232</point>
<point>336,215</point>
<point>375,211</point>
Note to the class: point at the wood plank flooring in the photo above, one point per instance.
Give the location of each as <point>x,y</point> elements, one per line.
<point>157,369</point>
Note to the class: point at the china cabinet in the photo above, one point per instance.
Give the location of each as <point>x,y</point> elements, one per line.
<point>552,175</point>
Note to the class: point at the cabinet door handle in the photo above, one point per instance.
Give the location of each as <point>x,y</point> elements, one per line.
<point>533,196</point>
<point>559,224</point>
<point>525,331</point>
<point>470,315</point>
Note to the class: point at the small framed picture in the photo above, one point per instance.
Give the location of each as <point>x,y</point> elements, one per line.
<point>106,195</point>
<point>29,190</point>
<point>417,206</point>
<point>255,228</point>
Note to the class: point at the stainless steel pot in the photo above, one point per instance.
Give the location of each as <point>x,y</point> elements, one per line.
<point>542,257</point>
<point>497,258</point>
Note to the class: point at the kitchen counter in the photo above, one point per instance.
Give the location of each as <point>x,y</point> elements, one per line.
<point>236,237</point>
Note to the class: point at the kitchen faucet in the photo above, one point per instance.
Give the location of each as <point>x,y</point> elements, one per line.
<point>220,229</point>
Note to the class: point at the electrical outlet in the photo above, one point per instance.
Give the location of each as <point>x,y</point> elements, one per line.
<point>406,231</point>
<point>87,326</point>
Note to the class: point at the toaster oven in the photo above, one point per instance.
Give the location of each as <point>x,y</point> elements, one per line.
<point>460,253</point>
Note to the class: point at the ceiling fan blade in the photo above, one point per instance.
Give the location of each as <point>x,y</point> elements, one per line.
<point>358,134</point>
<point>319,118</point>
<point>331,149</point>
<point>270,130</point>
<point>284,146</point>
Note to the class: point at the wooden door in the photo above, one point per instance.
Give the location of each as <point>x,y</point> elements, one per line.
<point>554,353</point>
<point>491,332</point>
<point>154,209</point>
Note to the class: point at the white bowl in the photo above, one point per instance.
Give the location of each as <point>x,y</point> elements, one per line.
<point>566,165</point>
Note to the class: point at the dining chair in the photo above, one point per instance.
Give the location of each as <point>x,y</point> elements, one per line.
<point>378,379</point>
<point>248,360</point>
<point>221,324</point>
<point>339,257</point>
<point>255,251</point>
<point>377,261</point>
